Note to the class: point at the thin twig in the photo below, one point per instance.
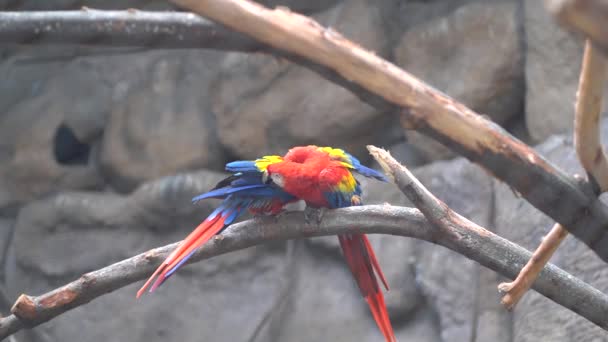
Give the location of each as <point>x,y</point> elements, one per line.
<point>585,16</point>
<point>515,290</point>
<point>461,236</point>
<point>169,30</point>
<point>545,186</point>
<point>592,157</point>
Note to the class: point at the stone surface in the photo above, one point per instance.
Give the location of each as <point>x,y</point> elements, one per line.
<point>553,62</point>
<point>6,236</point>
<point>471,51</point>
<point>267,106</point>
<point>28,128</point>
<point>164,126</point>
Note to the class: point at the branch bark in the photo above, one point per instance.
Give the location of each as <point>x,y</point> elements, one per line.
<point>131,28</point>
<point>461,236</point>
<point>585,16</point>
<point>545,186</point>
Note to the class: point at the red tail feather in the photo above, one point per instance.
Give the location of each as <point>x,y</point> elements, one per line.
<point>362,262</point>
<point>203,233</point>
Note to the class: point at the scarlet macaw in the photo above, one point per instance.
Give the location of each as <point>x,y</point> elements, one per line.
<point>322,177</point>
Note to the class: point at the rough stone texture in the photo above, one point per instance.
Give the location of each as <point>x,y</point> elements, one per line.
<point>448,280</point>
<point>166,125</point>
<point>553,62</point>
<point>472,51</point>
<point>266,106</point>
<point>28,128</point>
<point>6,237</point>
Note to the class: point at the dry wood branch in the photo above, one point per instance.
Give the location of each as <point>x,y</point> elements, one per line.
<point>591,155</point>
<point>457,234</point>
<point>588,110</point>
<point>377,81</point>
<point>121,28</point>
<point>515,290</point>
<point>586,16</point>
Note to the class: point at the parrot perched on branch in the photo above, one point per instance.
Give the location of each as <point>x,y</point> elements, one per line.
<point>320,176</point>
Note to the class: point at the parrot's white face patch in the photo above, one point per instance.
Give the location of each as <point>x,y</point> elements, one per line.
<point>277,179</point>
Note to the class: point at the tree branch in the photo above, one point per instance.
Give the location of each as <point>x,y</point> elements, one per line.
<point>169,30</point>
<point>544,185</point>
<point>588,111</point>
<point>591,155</point>
<point>461,236</point>
<point>585,16</point>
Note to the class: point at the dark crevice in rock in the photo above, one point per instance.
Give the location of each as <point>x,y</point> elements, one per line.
<point>67,149</point>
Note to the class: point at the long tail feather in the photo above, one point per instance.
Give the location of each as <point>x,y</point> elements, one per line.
<point>375,262</point>
<point>205,231</point>
<point>362,262</point>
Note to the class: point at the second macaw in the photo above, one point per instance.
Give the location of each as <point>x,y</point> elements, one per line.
<point>322,177</point>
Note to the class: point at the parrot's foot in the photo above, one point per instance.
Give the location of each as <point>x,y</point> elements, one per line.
<point>314,215</point>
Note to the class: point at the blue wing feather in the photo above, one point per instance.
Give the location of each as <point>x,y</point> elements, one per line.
<point>242,166</point>
<point>364,170</point>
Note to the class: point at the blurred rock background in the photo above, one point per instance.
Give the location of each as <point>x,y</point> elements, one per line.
<point>102,149</point>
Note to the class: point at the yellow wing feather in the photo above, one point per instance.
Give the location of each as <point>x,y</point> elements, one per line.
<point>262,163</point>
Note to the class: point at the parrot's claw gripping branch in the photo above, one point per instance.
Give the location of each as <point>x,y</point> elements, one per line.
<point>314,215</point>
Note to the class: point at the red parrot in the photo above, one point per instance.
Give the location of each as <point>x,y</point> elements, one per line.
<point>323,178</point>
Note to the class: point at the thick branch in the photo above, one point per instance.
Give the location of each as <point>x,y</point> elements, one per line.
<point>121,28</point>
<point>465,238</point>
<point>585,16</point>
<point>378,81</point>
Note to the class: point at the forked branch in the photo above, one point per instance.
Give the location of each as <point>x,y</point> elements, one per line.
<point>590,154</point>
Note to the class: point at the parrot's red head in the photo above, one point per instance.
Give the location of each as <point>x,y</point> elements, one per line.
<point>299,174</point>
